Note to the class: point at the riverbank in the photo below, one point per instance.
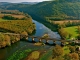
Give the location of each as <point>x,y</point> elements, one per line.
<point>6,52</point>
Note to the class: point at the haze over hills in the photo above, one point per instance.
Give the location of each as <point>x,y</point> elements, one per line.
<point>29,2</point>
<point>4,3</point>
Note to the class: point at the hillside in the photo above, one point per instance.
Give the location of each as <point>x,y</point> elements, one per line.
<point>50,10</point>
<point>16,22</point>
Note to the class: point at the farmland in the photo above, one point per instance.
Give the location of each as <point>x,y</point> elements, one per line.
<point>63,21</point>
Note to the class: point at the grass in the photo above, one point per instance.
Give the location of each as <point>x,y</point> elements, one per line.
<point>46,55</point>
<point>34,55</point>
<point>3,20</point>
<point>72,30</point>
<point>66,50</point>
<point>19,54</point>
<point>65,21</point>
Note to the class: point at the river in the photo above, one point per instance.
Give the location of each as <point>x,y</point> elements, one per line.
<point>22,45</point>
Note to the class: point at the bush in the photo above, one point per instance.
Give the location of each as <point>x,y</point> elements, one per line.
<point>34,55</point>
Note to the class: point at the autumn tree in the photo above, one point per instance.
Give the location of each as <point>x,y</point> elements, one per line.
<point>23,35</point>
<point>74,56</point>
<point>2,41</point>
<point>57,51</point>
<point>7,39</point>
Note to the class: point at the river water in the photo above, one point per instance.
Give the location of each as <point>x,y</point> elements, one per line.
<point>40,31</point>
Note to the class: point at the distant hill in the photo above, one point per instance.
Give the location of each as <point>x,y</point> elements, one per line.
<point>53,10</point>
<point>4,3</point>
<point>29,2</point>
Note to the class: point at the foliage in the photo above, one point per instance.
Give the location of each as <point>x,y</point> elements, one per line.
<point>45,36</point>
<point>46,55</point>
<point>24,33</point>
<point>72,56</point>
<point>57,10</point>
<point>34,55</point>
<point>64,34</point>
<point>57,51</point>
<point>19,54</point>
<point>1,37</point>
<point>6,40</point>
<point>66,50</point>
<point>72,49</point>
<point>73,31</point>
<point>18,26</point>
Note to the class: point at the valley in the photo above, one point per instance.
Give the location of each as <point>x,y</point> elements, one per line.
<point>58,19</point>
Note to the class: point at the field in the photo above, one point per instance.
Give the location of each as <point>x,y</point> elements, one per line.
<point>3,20</point>
<point>61,22</point>
<point>72,30</point>
<point>13,15</point>
<point>65,21</point>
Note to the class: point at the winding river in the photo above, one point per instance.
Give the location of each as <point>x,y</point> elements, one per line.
<point>22,45</point>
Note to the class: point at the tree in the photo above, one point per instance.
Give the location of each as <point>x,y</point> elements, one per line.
<point>12,38</point>
<point>1,37</point>
<point>72,49</point>
<point>78,37</point>
<point>63,33</point>
<point>70,35</point>
<point>57,51</point>
<point>74,56</point>
<point>67,57</point>
<point>24,33</point>
<point>2,41</point>
<point>7,39</point>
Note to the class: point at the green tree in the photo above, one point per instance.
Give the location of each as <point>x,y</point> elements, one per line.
<point>72,49</point>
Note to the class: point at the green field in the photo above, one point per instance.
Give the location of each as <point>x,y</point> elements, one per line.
<point>72,30</point>
<point>3,20</point>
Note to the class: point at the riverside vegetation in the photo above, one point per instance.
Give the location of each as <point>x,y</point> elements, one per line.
<point>14,22</point>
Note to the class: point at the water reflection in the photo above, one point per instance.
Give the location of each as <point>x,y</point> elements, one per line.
<point>41,30</point>
<point>22,45</point>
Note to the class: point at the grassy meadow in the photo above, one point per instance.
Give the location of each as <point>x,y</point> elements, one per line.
<point>72,30</point>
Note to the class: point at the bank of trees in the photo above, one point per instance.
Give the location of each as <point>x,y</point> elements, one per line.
<point>64,34</point>
<point>58,53</point>
<point>7,40</point>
